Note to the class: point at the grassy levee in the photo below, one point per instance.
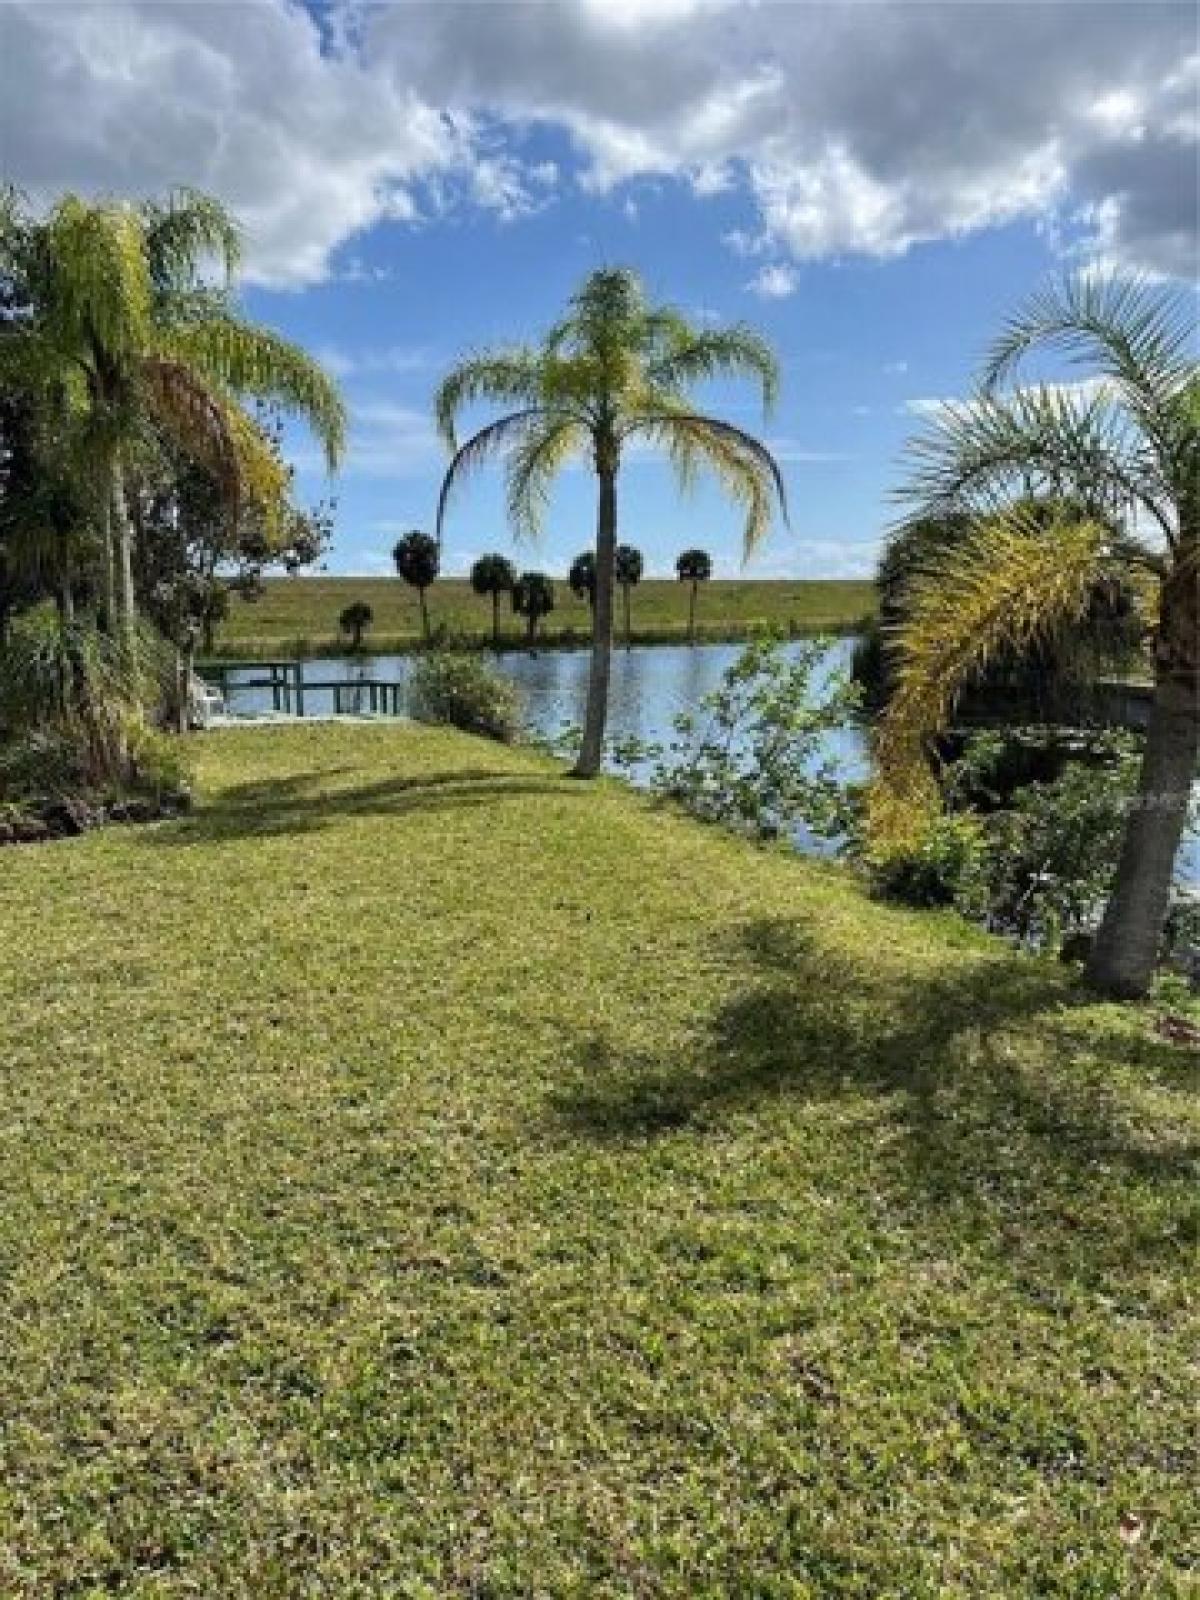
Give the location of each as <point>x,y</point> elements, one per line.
<point>427,1176</point>
<point>299,616</point>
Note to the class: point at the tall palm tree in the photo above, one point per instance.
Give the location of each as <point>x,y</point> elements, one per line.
<point>118,316</point>
<point>494,575</point>
<point>533,599</point>
<point>1124,446</point>
<point>614,369</point>
<point>581,579</point>
<point>627,569</point>
<point>693,567</point>
<point>417,558</point>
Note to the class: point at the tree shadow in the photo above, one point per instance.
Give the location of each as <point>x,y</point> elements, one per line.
<point>1005,1097</point>
<point>302,802</point>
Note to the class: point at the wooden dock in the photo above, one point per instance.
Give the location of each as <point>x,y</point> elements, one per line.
<point>289,688</point>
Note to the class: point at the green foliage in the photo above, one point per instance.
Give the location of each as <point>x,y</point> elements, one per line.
<point>461,691</point>
<point>355,619</point>
<point>749,755</point>
<point>694,566</point>
<point>1034,860</point>
<point>533,598</point>
<point>493,575</point>
<point>1053,847</point>
<point>417,559</point>
<point>945,866</point>
<point>628,565</point>
<point>581,579</point>
<point>614,368</point>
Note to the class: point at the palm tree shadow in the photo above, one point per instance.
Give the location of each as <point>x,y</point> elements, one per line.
<point>302,802</point>
<point>985,1113</point>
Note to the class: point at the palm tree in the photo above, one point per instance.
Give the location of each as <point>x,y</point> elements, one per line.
<point>1124,447</point>
<point>533,599</point>
<point>494,575</point>
<point>118,318</point>
<point>355,620</point>
<point>627,568</point>
<point>418,558</point>
<point>613,369</point>
<point>694,567</point>
<point>581,579</point>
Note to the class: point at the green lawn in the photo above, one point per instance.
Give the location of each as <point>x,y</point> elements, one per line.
<point>300,615</point>
<point>426,1176</point>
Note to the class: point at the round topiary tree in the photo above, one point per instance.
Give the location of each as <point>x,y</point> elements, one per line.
<point>355,620</point>
<point>694,567</point>
<point>532,598</point>
<point>493,575</point>
<point>418,561</point>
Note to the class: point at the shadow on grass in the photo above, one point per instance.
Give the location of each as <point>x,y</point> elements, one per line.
<point>301,802</point>
<point>987,1092</point>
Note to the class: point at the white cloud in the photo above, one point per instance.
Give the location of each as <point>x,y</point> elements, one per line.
<point>1081,389</point>
<point>386,440</point>
<point>774,282</point>
<point>344,363</point>
<point>895,368</point>
<point>850,128</point>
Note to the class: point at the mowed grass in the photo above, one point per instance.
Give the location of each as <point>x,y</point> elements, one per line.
<point>300,615</point>
<point>427,1176</point>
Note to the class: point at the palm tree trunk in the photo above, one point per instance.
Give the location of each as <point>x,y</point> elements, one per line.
<point>495,619</point>
<point>123,539</point>
<point>110,571</point>
<point>592,748</point>
<point>424,614</point>
<point>1123,958</point>
<point>692,613</point>
<point>628,623</point>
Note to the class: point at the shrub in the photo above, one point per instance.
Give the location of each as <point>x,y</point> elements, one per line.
<point>461,691</point>
<point>750,755</point>
<point>947,867</point>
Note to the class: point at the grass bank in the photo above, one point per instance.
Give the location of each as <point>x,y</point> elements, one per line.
<point>299,616</point>
<point>426,1176</point>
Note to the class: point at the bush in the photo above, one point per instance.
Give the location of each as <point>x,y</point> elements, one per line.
<point>461,691</point>
<point>750,755</point>
<point>946,868</point>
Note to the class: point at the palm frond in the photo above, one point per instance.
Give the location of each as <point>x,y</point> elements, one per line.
<point>695,356</point>
<point>489,442</point>
<point>212,428</point>
<point>1004,587</point>
<point>190,229</point>
<point>532,464</point>
<point>512,377</point>
<point>742,464</point>
<point>253,361</point>
<point>98,290</point>
<point>1138,333</point>
<point>980,454</point>
<point>195,417</point>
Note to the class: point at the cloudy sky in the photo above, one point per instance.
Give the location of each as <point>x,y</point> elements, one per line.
<point>873,184</point>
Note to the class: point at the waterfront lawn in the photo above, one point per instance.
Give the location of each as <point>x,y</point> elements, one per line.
<point>427,1176</point>
<point>299,616</point>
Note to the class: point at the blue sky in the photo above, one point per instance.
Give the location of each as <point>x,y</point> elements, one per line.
<point>858,341</point>
<point>872,186</point>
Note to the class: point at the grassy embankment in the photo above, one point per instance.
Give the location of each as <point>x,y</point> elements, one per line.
<point>299,616</point>
<point>424,1176</point>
